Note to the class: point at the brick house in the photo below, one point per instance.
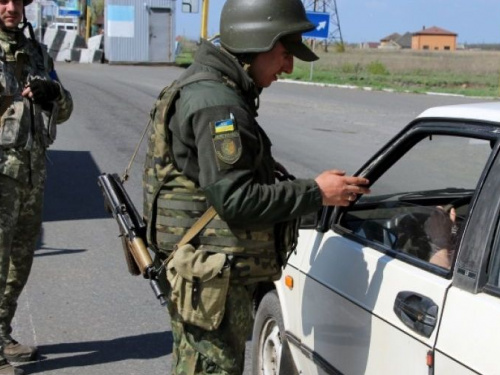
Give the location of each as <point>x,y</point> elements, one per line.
<point>434,38</point>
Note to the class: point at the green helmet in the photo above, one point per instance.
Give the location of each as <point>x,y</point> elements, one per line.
<point>254,26</point>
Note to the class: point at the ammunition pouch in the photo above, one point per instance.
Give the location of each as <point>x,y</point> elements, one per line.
<point>16,129</point>
<point>199,284</point>
<point>15,117</point>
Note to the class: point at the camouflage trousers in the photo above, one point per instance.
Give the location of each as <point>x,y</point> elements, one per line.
<point>222,351</point>
<point>20,224</point>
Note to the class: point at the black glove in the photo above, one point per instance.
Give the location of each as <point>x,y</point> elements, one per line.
<point>44,92</point>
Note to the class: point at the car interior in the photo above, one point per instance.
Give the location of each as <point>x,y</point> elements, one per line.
<point>420,203</point>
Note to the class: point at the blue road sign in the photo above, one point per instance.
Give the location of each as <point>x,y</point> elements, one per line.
<point>69,12</point>
<point>322,23</point>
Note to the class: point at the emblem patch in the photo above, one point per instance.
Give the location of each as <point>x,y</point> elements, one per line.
<point>228,147</point>
<point>227,142</point>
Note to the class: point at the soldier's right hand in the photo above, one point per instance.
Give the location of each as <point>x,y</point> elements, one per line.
<point>337,189</point>
<point>43,91</point>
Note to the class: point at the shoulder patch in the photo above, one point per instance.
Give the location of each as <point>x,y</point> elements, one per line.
<point>223,126</point>
<point>227,142</point>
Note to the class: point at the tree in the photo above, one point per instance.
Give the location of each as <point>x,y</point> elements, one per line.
<point>97,9</point>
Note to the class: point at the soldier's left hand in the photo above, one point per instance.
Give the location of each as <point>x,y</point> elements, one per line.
<point>42,92</point>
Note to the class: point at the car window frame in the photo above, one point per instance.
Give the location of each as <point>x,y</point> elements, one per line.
<point>394,150</point>
<point>493,261</point>
<point>494,266</point>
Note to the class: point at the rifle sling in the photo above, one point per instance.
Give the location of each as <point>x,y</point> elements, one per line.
<point>200,76</point>
<point>201,223</point>
<point>192,232</point>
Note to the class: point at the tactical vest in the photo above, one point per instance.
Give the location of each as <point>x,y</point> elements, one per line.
<point>173,203</point>
<point>21,120</point>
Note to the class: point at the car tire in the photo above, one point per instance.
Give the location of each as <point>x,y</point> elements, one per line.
<point>270,352</point>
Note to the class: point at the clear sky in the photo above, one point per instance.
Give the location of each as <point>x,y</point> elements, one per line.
<point>475,21</point>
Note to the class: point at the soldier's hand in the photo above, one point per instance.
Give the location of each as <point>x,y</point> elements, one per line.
<point>337,189</point>
<point>44,92</point>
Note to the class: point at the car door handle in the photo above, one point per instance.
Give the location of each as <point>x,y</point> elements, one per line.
<point>417,312</point>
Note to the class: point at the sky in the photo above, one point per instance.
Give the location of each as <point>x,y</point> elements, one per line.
<point>475,21</point>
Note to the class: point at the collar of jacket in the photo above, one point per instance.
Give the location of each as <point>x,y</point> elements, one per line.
<point>211,56</point>
<point>14,40</point>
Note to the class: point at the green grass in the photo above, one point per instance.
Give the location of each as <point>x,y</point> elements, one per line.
<point>469,73</point>
<point>485,85</point>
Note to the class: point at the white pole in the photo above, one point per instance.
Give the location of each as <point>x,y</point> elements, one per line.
<point>312,62</point>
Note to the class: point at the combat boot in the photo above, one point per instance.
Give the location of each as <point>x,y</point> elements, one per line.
<point>16,352</point>
<point>7,369</point>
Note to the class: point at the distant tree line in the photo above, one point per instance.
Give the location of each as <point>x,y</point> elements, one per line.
<point>483,46</point>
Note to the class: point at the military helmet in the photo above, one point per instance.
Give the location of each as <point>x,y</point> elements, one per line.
<point>254,26</point>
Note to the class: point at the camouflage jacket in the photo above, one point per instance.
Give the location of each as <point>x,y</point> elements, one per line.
<point>222,158</point>
<point>26,129</point>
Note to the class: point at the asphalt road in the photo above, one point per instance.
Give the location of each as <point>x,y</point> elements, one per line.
<point>87,315</point>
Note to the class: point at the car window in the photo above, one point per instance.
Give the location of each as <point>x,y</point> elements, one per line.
<point>418,206</point>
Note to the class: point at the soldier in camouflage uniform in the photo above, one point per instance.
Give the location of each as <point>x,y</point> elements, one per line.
<point>207,149</point>
<point>32,102</point>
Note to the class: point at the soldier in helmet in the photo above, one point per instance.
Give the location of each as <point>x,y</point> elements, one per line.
<point>207,149</point>
<point>32,102</point>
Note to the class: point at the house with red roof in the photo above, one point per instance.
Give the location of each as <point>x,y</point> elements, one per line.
<point>434,39</point>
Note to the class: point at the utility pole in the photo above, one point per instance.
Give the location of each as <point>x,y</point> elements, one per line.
<point>330,7</point>
<point>88,20</point>
<point>204,19</point>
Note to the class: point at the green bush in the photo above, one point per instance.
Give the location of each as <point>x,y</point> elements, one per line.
<point>377,68</point>
<point>350,68</point>
<point>339,47</point>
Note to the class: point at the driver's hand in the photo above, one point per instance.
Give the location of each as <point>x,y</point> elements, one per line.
<point>438,228</point>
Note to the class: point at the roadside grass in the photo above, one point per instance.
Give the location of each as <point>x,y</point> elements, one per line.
<point>470,72</point>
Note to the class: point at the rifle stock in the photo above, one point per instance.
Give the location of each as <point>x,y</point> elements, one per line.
<point>141,255</point>
<point>132,230</point>
<point>131,225</point>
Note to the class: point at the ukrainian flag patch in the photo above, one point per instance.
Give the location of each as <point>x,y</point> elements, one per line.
<point>223,126</point>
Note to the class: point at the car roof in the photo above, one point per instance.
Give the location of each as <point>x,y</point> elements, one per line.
<point>487,111</point>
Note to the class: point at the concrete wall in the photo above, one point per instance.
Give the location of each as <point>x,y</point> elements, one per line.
<point>70,47</point>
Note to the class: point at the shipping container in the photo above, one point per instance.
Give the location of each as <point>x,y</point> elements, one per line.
<point>139,31</point>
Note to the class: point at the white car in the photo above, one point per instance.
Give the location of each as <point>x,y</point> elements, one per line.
<point>406,279</point>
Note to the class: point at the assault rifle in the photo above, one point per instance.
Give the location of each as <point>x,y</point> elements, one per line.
<point>132,230</point>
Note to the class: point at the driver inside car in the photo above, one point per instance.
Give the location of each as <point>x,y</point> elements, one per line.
<point>441,229</point>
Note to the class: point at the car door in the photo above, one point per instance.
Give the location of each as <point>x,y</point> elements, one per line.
<point>469,334</point>
<point>374,286</point>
